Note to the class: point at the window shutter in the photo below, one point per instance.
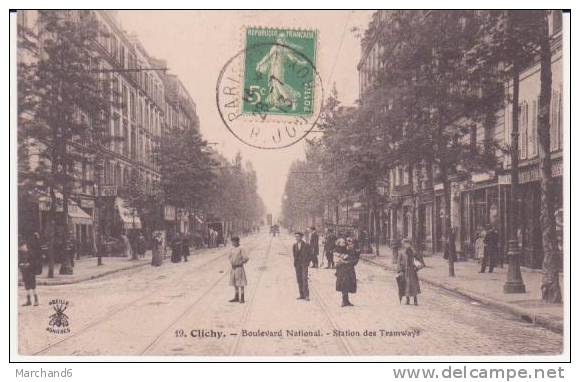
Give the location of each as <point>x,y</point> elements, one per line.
<point>533,136</point>
<point>553,122</point>
<point>560,120</point>
<point>523,137</point>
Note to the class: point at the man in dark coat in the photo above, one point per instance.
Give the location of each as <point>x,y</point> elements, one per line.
<point>176,249</point>
<point>185,247</point>
<point>329,244</point>
<point>26,264</point>
<point>490,251</point>
<point>314,246</point>
<point>302,257</point>
<point>345,273</point>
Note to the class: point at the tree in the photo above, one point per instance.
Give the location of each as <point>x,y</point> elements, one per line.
<point>551,291</point>
<point>187,169</point>
<point>234,196</point>
<point>433,96</point>
<point>145,202</point>
<point>66,105</point>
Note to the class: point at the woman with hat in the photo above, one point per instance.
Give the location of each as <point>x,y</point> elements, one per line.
<point>409,262</point>
<point>346,259</point>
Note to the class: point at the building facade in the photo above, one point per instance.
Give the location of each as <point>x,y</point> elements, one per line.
<point>137,120</point>
<point>413,206</point>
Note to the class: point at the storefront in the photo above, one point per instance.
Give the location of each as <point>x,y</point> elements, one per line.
<point>529,234</point>
<point>82,228</point>
<point>479,206</point>
<point>127,217</point>
<point>425,223</point>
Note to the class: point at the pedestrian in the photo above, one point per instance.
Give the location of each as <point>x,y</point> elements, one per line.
<point>409,263</point>
<point>126,245</point>
<point>345,273</point>
<point>156,257</point>
<point>302,257</point>
<point>480,246</point>
<point>35,247</point>
<point>185,247</point>
<point>490,251</point>
<point>27,264</point>
<point>176,249</point>
<point>329,244</point>
<point>314,246</point>
<point>140,245</point>
<point>237,256</point>
<point>450,249</point>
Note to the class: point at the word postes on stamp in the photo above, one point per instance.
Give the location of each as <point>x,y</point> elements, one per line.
<point>269,95</point>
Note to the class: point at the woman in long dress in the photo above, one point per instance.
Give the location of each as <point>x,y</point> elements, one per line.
<point>408,268</point>
<point>157,257</point>
<point>126,245</point>
<point>237,257</point>
<point>345,273</point>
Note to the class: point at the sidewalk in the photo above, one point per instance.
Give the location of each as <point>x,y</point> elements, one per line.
<point>486,288</point>
<point>87,269</point>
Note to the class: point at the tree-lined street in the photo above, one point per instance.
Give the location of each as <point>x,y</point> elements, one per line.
<point>155,311</point>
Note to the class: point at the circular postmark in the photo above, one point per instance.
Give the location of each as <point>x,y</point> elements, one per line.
<point>269,95</point>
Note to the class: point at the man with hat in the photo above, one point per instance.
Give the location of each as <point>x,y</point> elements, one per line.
<point>302,257</point>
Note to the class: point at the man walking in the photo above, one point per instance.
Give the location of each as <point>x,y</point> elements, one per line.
<point>302,257</point>
<point>329,244</point>
<point>314,246</point>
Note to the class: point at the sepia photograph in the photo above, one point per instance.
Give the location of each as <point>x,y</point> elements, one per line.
<point>290,184</point>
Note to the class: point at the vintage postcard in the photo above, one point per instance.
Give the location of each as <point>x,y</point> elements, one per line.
<point>291,184</point>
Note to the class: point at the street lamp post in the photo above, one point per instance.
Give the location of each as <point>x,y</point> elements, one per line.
<point>514,283</point>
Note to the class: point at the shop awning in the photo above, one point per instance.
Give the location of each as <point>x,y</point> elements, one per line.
<point>129,216</point>
<point>77,215</point>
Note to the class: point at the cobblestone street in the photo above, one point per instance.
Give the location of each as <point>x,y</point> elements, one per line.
<point>182,309</point>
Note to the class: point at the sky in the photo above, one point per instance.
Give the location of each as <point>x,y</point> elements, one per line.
<point>197,44</point>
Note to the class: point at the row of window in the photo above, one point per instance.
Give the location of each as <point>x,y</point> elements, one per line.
<point>126,59</point>
<point>116,175</point>
<point>528,126</point>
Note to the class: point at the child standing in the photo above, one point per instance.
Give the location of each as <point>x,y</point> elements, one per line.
<point>238,258</point>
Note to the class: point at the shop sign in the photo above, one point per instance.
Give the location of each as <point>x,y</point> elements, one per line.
<point>169,213</point>
<point>504,179</point>
<point>482,177</point>
<point>108,191</point>
<point>557,169</point>
<point>531,174</point>
<point>44,204</point>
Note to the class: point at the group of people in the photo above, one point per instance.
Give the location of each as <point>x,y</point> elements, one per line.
<point>179,248</point>
<point>341,253</point>
<point>486,248</point>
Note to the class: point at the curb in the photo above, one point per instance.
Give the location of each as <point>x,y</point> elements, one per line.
<point>556,326</point>
<point>87,278</point>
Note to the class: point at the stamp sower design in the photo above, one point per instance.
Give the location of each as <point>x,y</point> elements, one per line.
<point>270,94</point>
<point>279,71</point>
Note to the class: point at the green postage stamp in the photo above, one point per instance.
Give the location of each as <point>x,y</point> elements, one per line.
<point>279,72</point>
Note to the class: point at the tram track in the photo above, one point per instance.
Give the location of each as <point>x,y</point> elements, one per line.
<point>344,343</point>
<point>206,293</point>
<point>117,311</point>
<point>236,344</point>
